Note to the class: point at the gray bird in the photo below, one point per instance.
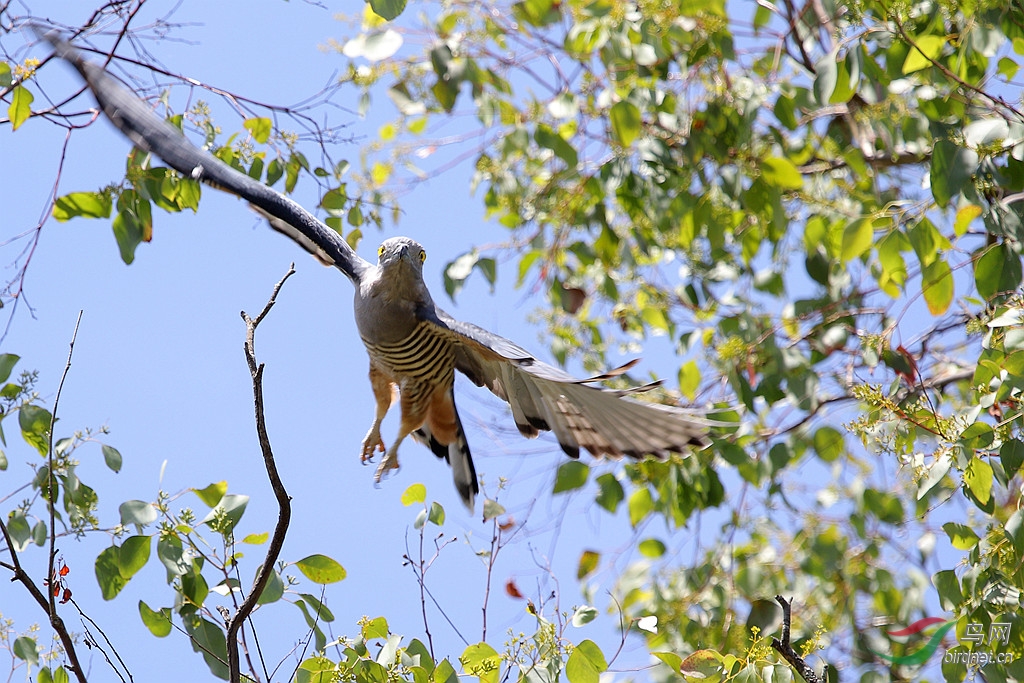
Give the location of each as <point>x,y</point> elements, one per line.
<point>413,345</point>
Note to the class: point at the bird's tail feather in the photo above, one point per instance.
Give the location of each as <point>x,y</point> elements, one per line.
<point>457,455</point>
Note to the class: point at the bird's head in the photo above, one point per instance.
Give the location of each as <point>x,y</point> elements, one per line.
<point>401,253</point>
<point>400,261</point>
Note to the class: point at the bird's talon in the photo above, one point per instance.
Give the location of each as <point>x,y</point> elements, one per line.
<point>371,443</point>
<point>390,462</point>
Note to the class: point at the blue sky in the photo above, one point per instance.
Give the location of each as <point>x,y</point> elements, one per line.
<point>159,361</point>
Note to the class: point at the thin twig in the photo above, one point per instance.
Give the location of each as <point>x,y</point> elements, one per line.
<point>86,617</point>
<point>280,493</point>
<point>55,620</point>
<point>491,558</point>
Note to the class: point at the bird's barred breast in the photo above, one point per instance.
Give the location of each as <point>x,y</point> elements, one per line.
<point>426,355</point>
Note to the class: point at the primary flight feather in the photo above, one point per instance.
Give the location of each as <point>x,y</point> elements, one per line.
<point>413,345</point>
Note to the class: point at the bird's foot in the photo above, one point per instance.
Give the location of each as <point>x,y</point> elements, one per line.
<point>390,462</point>
<point>371,443</point>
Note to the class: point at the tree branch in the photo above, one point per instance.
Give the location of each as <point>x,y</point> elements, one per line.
<point>47,603</point>
<point>283,499</point>
<point>786,650</point>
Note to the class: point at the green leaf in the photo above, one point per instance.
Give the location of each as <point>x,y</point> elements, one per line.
<point>689,380</point>
<point>927,241</point>
<point>948,587</point>
<point>194,590</point>
<point>436,514</point>
<point>586,663</point>
<point>456,272</point>
<point>858,237</point>
<point>1007,68</point>
<point>960,535</point>
<point>108,572</point>
<point>549,139</point>
<point>828,443</point>
<point>536,12</point>
<point>965,215</point>
<point>260,129</point>
<point>492,509</point>
<point>212,494</point>
<point>482,661</point>
<point>571,475</point>
<point>977,436</point>
<point>208,638</point>
<point>978,479</point>
<point>781,173</point>
<point>133,555</point>
<point>444,672</point>
<point>256,539</point>
<point>25,648</point>
<point>225,516</point>
<point>1011,454</point>
<point>35,427</point>
<point>17,527</point>
<point>275,170</point>
<point>133,223</point>
<point>21,106</point>
<point>7,363</point>
<point>387,9</point>
<point>826,75</point>
<point>158,623</point>
<point>626,122</point>
<point>1014,531</point>
<point>640,505</point>
<point>317,670</point>
<point>997,271</point>
<point>416,493</point>
<point>583,615</point>
<point>588,563</point>
<point>85,204</point>
<point>137,512</point>
<point>112,457</point>
<point>273,590</point>
<point>652,548</point>
<point>926,49</point>
<point>937,286</point>
<point>320,610</point>
<point>375,628</point>
<point>951,170</point>
<point>610,492</point>
<point>171,554</point>
<point>321,569</point>
<point>39,535</point>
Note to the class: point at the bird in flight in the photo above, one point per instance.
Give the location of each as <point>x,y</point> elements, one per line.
<point>414,346</point>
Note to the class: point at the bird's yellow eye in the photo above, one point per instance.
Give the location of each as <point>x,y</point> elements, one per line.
<point>380,251</point>
<point>423,256</point>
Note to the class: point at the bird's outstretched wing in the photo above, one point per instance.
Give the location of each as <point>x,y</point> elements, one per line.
<point>149,132</point>
<point>543,397</point>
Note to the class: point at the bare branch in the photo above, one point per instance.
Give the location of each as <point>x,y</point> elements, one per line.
<point>784,648</point>
<point>284,506</point>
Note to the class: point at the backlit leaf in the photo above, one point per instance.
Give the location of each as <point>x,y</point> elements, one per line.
<point>321,569</point>
<point>158,622</point>
<point>937,286</point>
<point>571,475</point>
<point>21,106</point>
